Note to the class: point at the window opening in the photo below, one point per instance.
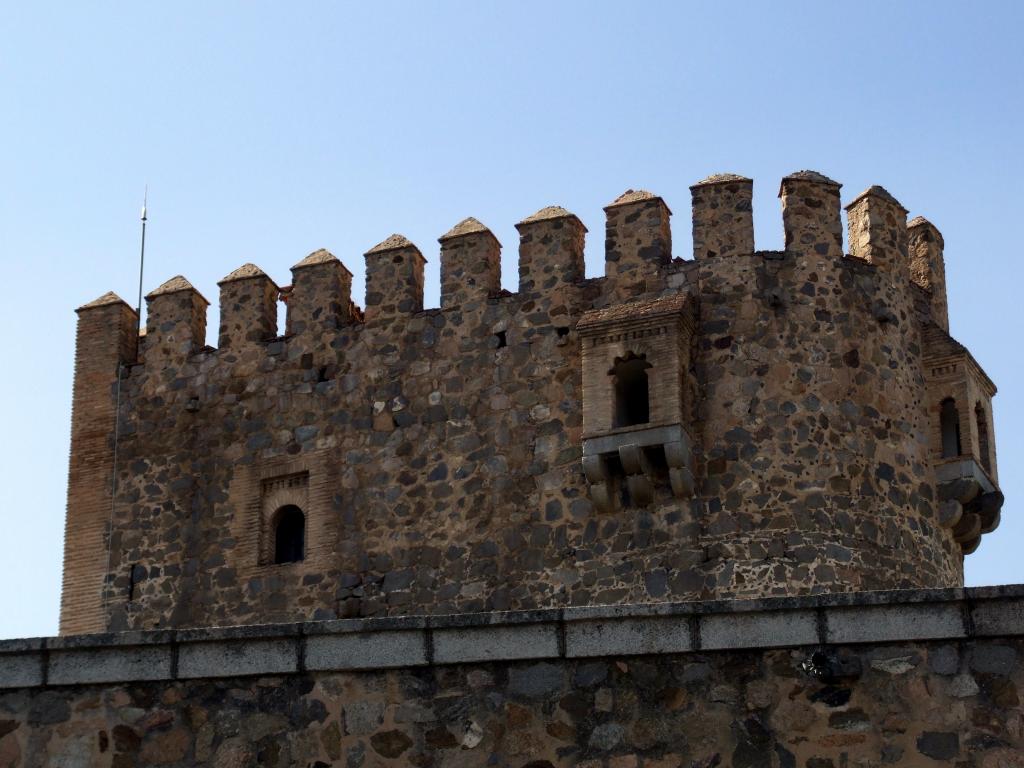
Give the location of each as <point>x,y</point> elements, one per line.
<point>949,421</point>
<point>632,391</point>
<point>135,574</point>
<point>502,338</point>
<point>289,535</point>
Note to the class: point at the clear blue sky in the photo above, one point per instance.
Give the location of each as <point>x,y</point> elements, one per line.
<point>267,130</point>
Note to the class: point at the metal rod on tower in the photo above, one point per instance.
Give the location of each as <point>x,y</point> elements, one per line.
<point>142,261</point>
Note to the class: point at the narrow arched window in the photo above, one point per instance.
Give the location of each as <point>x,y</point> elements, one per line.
<point>289,535</point>
<point>983,448</point>
<point>949,422</point>
<point>632,391</point>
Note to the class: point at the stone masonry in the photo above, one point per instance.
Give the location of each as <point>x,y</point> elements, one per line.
<point>914,679</point>
<point>742,424</point>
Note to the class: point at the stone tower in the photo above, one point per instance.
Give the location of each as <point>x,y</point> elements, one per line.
<point>740,424</point>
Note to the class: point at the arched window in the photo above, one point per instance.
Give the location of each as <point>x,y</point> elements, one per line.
<point>632,393</point>
<point>289,535</point>
<point>949,422</point>
<point>983,448</point>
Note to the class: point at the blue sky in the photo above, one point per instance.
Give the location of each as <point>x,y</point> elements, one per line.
<point>267,130</point>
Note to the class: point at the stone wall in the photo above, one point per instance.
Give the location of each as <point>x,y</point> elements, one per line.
<point>904,679</point>
<point>440,449</point>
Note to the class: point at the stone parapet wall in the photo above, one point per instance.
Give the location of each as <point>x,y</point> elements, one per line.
<point>914,678</point>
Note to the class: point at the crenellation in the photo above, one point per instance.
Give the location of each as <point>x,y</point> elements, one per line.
<point>394,280</point>
<point>878,230</point>
<point>320,299</point>
<point>551,243</point>
<point>248,308</point>
<point>928,267</point>
<point>638,242</point>
<point>744,424</point>
<point>175,323</point>
<point>470,265</point>
<point>723,219</point>
<point>810,215</point>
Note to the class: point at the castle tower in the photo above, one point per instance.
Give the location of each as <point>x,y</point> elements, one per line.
<point>742,424</point>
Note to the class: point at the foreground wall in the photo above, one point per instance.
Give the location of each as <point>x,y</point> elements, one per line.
<point>870,679</point>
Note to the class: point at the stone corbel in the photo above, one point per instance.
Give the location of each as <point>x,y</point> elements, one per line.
<point>677,456</point>
<point>949,513</point>
<point>990,506</point>
<point>595,468</point>
<point>638,474</point>
<point>968,528</point>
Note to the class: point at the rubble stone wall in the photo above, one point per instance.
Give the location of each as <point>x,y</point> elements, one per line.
<point>871,680</point>
<point>441,448</point>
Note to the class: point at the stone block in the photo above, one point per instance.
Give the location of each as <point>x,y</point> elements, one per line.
<point>230,658</point>
<point>366,650</point>
<point>670,634</point>
<point>109,665</point>
<point>493,643</point>
<point>885,623</point>
<point>758,630</point>
<point>998,617</point>
<point>21,670</point>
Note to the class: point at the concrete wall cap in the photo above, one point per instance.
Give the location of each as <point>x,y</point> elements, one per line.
<point>23,644</point>
<point>592,631</point>
<point>243,632</point>
<point>355,626</point>
<point>107,639</point>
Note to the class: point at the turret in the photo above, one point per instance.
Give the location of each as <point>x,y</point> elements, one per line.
<point>175,323</point>
<point>321,295</point>
<point>248,307</point>
<point>394,279</point>
<point>810,214</point>
<point>638,242</point>
<point>107,339</point>
<point>878,230</point>
<point>928,266</point>
<point>723,219</point>
<point>470,264</point>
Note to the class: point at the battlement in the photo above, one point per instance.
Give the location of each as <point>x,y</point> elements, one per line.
<point>740,424</point>
<point>638,249</point>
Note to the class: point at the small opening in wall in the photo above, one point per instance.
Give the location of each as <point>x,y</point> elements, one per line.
<point>135,575</point>
<point>289,535</point>
<point>949,423</point>
<point>502,339</point>
<point>632,390</point>
<point>562,331</point>
<point>321,374</point>
<point>983,447</point>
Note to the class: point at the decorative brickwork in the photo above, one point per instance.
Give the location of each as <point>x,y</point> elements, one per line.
<point>495,454</point>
